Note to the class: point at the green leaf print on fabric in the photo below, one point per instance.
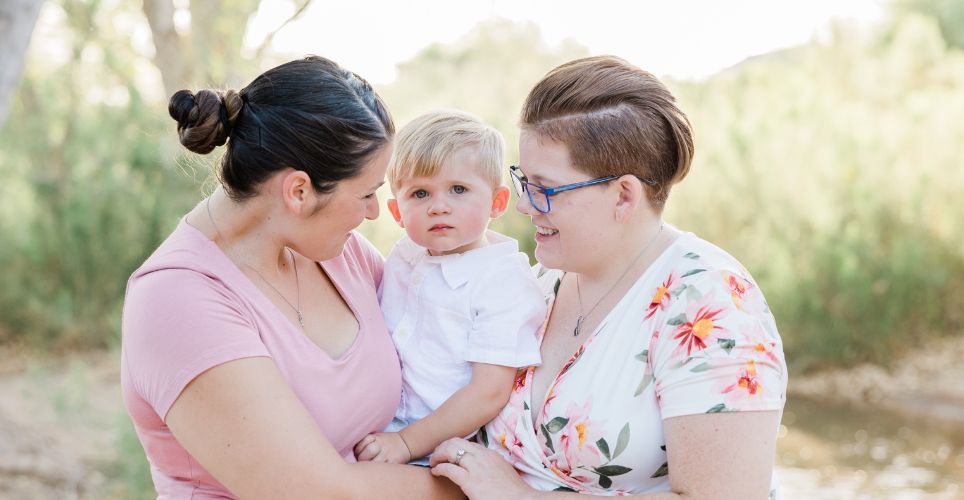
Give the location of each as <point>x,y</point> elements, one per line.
<point>565,488</point>
<point>727,344</point>
<point>545,433</point>
<point>555,288</point>
<point>692,294</point>
<point>483,437</point>
<point>604,448</point>
<point>691,255</point>
<point>702,367</point>
<point>605,482</point>
<point>677,320</point>
<point>717,409</point>
<point>643,356</point>
<point>555,425</point>
<point>643,384</point>
<point>612,470</point>
<point>663,470</point>
<point>692,272</point>
<point>679,291</point>
<point>622,441</point>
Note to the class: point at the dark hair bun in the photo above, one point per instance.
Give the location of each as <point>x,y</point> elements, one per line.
<point>205,119</point>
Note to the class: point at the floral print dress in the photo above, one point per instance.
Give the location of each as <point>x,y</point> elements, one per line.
<point>693,335</point>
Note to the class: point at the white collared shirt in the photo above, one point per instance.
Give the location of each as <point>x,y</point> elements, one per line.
<point>446,312</point>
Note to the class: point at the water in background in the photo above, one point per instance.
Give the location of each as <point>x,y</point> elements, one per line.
<point>835,451</point>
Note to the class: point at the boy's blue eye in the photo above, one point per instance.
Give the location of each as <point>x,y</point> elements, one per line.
<point>420,193</point>
<point>458,189</point>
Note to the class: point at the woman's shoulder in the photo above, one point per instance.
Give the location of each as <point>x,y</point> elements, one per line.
<point>185,249</point>
<point>691,258</point>
<point>694,262</point>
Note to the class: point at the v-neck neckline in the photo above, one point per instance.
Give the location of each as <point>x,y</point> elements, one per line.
<point>252,290</point>
<point>539,421</point>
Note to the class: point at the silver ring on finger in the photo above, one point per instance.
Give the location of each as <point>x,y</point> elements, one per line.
<point>458,456</point>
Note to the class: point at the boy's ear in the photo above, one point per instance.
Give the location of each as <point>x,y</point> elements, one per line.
<point>393,208</point>
<point>500,201</point>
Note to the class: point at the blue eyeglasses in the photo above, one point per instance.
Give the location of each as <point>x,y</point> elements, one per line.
<point>540,199</point>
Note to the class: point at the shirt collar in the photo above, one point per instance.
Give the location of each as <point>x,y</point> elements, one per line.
<point>458,269</point>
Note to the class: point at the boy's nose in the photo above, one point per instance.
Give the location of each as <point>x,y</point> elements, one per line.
<point>439,207</point>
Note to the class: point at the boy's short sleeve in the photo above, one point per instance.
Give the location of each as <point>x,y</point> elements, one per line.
<point>508,310</point>
<point>179,323</point>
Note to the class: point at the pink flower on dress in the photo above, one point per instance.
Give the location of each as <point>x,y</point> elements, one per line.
<point>747,386</point>
<point>744,294</point>
<point>661,298</point>
<point>520,379</point>
<point>700,325</point>
<point>503,432</point>
<point>576,445</point>
<point>760,344</point>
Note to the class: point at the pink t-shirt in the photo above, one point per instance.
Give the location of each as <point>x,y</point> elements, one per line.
<point>189,308</point>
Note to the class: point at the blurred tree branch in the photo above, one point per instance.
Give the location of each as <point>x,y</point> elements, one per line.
<point>169,50</point>
<point>267,40</point>
<point>209,54</point>
<point>17,20</point>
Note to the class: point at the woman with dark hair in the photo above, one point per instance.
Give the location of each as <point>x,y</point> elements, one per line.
<point>662,370</point>
<point>254,355</point>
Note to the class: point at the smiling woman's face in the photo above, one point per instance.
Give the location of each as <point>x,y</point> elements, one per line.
<point>579,221</point>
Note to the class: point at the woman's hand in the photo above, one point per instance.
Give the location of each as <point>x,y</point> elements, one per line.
<point>481,473</point>
<point>383,447</point>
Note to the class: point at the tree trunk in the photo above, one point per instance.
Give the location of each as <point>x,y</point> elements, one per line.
<point>171,56</point>
<point>17,20</point>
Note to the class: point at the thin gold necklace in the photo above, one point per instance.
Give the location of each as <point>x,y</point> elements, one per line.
<point>301,319</point>
<point>577,330</point>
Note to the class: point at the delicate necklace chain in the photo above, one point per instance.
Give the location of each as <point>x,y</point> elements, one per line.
<point>577,330</point>
<point>294,263</point>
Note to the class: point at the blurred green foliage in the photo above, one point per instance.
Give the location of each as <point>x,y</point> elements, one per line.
<point>832,170</point>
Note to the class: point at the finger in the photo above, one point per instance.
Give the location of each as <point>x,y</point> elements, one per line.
<point>445,452</point>
<point>365,441</point>
<point>370,452</point>
<point>359,446</point>
<point>455,473</point>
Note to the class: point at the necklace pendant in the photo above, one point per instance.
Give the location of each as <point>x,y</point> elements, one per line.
<point>575,331</point>
<point>301,319</point>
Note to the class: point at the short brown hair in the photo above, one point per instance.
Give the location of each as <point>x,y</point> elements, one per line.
<point>427,141</point>
<point>615,119</point>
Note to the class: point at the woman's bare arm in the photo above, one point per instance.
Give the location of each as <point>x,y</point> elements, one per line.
<point>461,414</point>
<point>711,456</point>
<point>245,425</point>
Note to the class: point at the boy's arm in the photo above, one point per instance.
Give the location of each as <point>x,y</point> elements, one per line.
<point>465,411</point>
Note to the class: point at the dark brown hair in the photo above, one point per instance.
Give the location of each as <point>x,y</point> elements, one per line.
<point>615,119</point>
<point>309,114</point>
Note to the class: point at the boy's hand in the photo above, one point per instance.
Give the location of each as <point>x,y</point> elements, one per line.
<point>385,447</point>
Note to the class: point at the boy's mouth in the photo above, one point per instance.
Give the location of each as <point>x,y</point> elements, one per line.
<point>545,231</point>
<point>439,227</point>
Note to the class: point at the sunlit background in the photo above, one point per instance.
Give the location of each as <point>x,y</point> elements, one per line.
<point>829,161</point>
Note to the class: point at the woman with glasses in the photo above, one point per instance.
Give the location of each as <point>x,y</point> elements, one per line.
<point>663,373</point>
